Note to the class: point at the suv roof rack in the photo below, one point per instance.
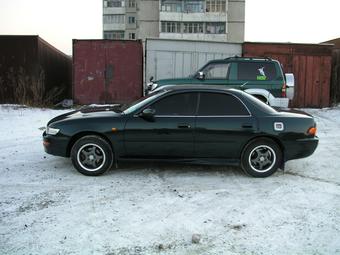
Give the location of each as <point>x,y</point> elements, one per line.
<point>250,58</point>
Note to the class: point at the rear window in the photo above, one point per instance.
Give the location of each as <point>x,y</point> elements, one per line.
<point>218,104</point>
<point>259,104</point>
<point>256,71</point>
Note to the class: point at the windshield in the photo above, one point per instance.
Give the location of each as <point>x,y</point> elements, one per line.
<point>129,108</point>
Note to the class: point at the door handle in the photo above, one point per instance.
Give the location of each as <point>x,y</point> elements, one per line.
<point>247,125</point>
<point>184,126</point>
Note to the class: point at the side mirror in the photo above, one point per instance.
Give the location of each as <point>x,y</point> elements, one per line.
<point>200,76</point>
<point>290,82</point>
<point>148,114</point>
<point>151,79</point>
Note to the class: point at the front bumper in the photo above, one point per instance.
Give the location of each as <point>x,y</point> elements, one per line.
<point>55,144</point>
<point>300,148</point>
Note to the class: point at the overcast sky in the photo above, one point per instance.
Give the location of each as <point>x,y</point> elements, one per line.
<point>59,21</point>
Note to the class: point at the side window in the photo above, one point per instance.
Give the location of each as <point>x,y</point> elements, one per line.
<point>177,105</point>
<point>219,104</point>
<point>256,71</point>
<point>216,71</point>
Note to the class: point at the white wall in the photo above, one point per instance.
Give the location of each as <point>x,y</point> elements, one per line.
<point>167,58</point>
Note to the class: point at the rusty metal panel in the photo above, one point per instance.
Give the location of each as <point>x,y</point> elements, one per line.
<point>32,71</point>
<point>310,63</point>
<point>335,84</point>
<point>57,70</point>
<point>107,71</point>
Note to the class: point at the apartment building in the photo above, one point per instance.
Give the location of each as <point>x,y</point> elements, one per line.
<point>215,20</point>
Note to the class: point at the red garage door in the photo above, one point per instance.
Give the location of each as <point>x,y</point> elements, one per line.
<point>310,64</point>
<point>107,71</point>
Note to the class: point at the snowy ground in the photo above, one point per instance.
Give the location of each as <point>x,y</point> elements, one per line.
<point>47,207</point>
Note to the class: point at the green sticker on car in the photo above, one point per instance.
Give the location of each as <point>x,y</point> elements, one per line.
<point>261,77</point>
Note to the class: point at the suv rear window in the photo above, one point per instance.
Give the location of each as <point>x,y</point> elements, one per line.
<point>256,71</point>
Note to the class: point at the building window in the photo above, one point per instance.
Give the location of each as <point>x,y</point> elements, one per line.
<point>216,6</point>
<point>193,6</point>
<point>115,35</point>
<point>114,3</point>
<point>132,36</point>
<point>171,6</point>
<point>132,20</point>
<point>215,28</point>
<point>132,3</point>
<point>171,27</point>
<point>193,27</point>
<point>114,19</point>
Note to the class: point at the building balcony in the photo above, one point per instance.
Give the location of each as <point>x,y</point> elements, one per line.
<point>193,17</point>
<point>198,37</point>
<point>114,10</point>
<point>112,27</point>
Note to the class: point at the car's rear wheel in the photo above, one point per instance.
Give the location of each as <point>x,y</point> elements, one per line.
<point>261,157</point>
<point>92,155</point>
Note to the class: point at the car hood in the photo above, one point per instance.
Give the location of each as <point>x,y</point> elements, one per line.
<point>88,112</point>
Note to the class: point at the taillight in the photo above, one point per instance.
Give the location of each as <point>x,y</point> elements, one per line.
<point>312,131</point>
<point>284,90</point>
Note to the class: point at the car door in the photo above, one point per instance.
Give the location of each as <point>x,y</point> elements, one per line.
<point>223,126</point>
<point>169,134</point>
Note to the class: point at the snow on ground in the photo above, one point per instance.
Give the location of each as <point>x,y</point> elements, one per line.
<point>47,207</point>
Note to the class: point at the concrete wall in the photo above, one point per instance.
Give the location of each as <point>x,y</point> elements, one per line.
<point>148,18</point>
<point>235,20</point>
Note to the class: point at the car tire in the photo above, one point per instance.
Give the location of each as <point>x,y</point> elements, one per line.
<point>261,158</point>
<point>91,155</point>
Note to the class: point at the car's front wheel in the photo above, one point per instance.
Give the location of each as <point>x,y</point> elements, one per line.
<point>92,155</point>
<point>261,158</point>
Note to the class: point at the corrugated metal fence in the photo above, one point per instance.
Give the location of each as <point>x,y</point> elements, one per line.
<point>166,58</point>
<point>335,81</point>
<point>310,64</point>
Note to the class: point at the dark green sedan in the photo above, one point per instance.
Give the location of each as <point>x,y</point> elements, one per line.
<point>189,124</point>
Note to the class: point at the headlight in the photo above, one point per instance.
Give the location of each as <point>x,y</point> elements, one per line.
<point>151,86</point>
<point>51,131</point>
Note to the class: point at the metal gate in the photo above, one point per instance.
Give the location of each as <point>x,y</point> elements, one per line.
<point>107,71</point>
<point>310,64</point>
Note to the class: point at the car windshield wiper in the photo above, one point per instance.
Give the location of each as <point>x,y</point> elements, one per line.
<point>117,108</point>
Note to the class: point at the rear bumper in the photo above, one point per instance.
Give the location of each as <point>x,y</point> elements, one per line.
<point>55,145</point>
<point>300,148</point>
